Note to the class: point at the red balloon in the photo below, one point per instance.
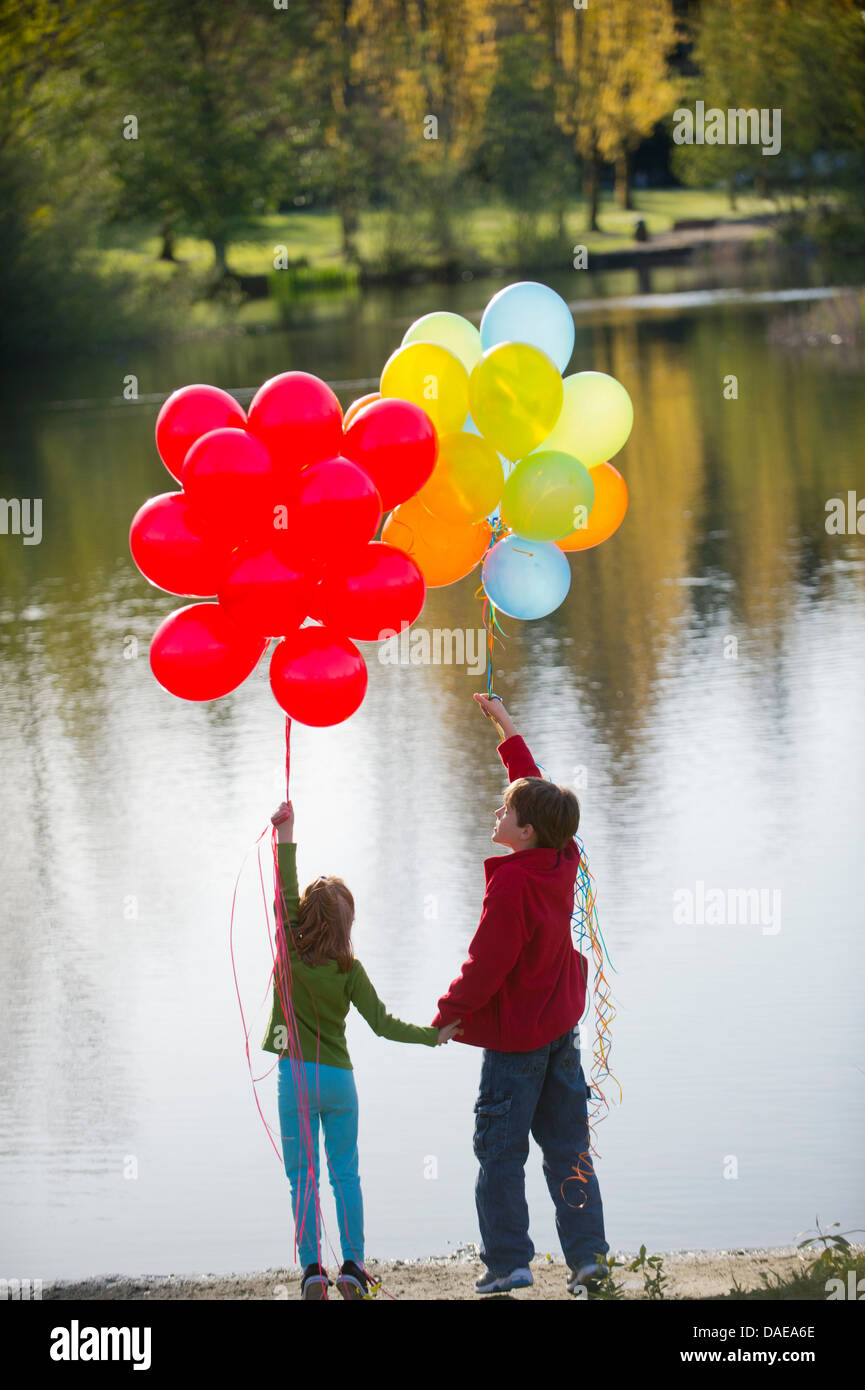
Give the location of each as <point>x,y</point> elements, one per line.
<point>169,553</point>
<point>395,441</point>
<point>337,506</point>
<point>262,594</point>
<point>198,653</point>
<point>229,479</point>
<point>382,590</point>
<point>318,676</point>
<point>299,419</point>
<point>187,415</point>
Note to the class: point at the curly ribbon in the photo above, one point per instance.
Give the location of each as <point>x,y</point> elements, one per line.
<point>492,626</point>
<point>585,919</point>
<point>489,613</point>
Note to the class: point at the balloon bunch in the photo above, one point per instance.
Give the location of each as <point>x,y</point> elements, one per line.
<point>274,525</point>
<point>523,473</point>
<point>473,446</point>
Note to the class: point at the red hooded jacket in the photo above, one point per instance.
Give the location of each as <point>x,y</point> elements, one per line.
<point>524,982</point>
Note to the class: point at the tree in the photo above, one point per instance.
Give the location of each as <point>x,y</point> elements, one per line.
<point>804,59</point>
<point>437,90</point>
<point>615,59</point>
<point>207,112</point>
<point>54,180</point>
<point>354,56</point>
<point>522,153</point>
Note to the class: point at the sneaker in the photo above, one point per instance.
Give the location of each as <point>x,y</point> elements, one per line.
<point>500,1283</point>
<point>589,1275</point>
<point>314,1282</point>
<point>352,1282</point>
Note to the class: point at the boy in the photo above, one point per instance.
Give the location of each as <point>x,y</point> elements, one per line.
<point>520,996</point>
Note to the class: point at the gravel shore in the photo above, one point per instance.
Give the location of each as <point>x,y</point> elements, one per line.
<point>692,1274</point>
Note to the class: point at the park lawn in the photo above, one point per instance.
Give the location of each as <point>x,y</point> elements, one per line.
<point>487,231</point>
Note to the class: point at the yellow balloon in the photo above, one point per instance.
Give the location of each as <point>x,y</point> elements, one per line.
<point>515,394</point>
<point>431,377</point>
<point>596,418</point>
<point>467,481</point>
<point>450,331</point>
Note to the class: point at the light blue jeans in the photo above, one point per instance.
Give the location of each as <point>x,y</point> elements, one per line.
<point>307,1091</point>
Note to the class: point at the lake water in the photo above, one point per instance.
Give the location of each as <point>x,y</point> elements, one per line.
<point>702,683</point>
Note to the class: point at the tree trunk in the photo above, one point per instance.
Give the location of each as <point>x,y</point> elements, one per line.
<point>593,191</point>
<point>561,226</point>
<point>219,252</point>
<point>731,193</point>
<point>442,229</point>
<point>623,181</point>
<point>350,221</point>
<point>166,231</point>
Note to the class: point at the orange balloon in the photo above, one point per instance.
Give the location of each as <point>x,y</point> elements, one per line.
<point>359,405</point>
<point>608,510</point>
<point>445,551</point>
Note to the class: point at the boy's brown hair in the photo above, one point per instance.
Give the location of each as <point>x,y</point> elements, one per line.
<point>324,919</point>
<point>553,812</point>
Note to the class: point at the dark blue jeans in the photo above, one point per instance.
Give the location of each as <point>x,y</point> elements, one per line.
<point>544,1093</point>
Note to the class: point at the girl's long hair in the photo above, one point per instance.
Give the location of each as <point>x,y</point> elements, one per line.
<point>324,920</point>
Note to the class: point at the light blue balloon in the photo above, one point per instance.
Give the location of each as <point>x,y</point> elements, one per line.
<point>526,579</point>
<point>529,312</point>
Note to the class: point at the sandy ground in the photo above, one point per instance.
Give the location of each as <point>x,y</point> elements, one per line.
<point>691,1274</point>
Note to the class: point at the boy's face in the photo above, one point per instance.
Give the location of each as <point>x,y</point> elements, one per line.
<point>509,832</point>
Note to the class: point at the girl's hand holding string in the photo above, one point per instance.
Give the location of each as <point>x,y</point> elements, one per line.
<point>283,819</point>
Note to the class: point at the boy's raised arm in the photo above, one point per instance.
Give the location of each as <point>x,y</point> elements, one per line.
<point>512,749</point>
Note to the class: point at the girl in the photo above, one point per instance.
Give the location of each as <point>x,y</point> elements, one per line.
<point>316,1079</point>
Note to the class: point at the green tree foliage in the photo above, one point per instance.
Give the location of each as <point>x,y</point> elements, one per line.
<point>207,111</point>
<point>53,180</point>
<point>522,154</point>
<point>805,58</point>
<point>200,115</point>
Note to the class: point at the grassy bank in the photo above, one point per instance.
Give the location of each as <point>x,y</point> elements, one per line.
<point>122,292</point>
<point>488,233</point>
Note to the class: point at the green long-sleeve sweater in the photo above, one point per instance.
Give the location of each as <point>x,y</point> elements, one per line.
<point>321,996</point>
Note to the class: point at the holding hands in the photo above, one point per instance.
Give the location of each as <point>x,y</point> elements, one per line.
<point>283,819</point>
<point>445,1034</point>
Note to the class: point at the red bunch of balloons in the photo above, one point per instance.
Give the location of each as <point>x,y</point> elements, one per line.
<point>275,525</point>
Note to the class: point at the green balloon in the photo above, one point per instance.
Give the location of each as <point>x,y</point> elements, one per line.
<point>547,496</point>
